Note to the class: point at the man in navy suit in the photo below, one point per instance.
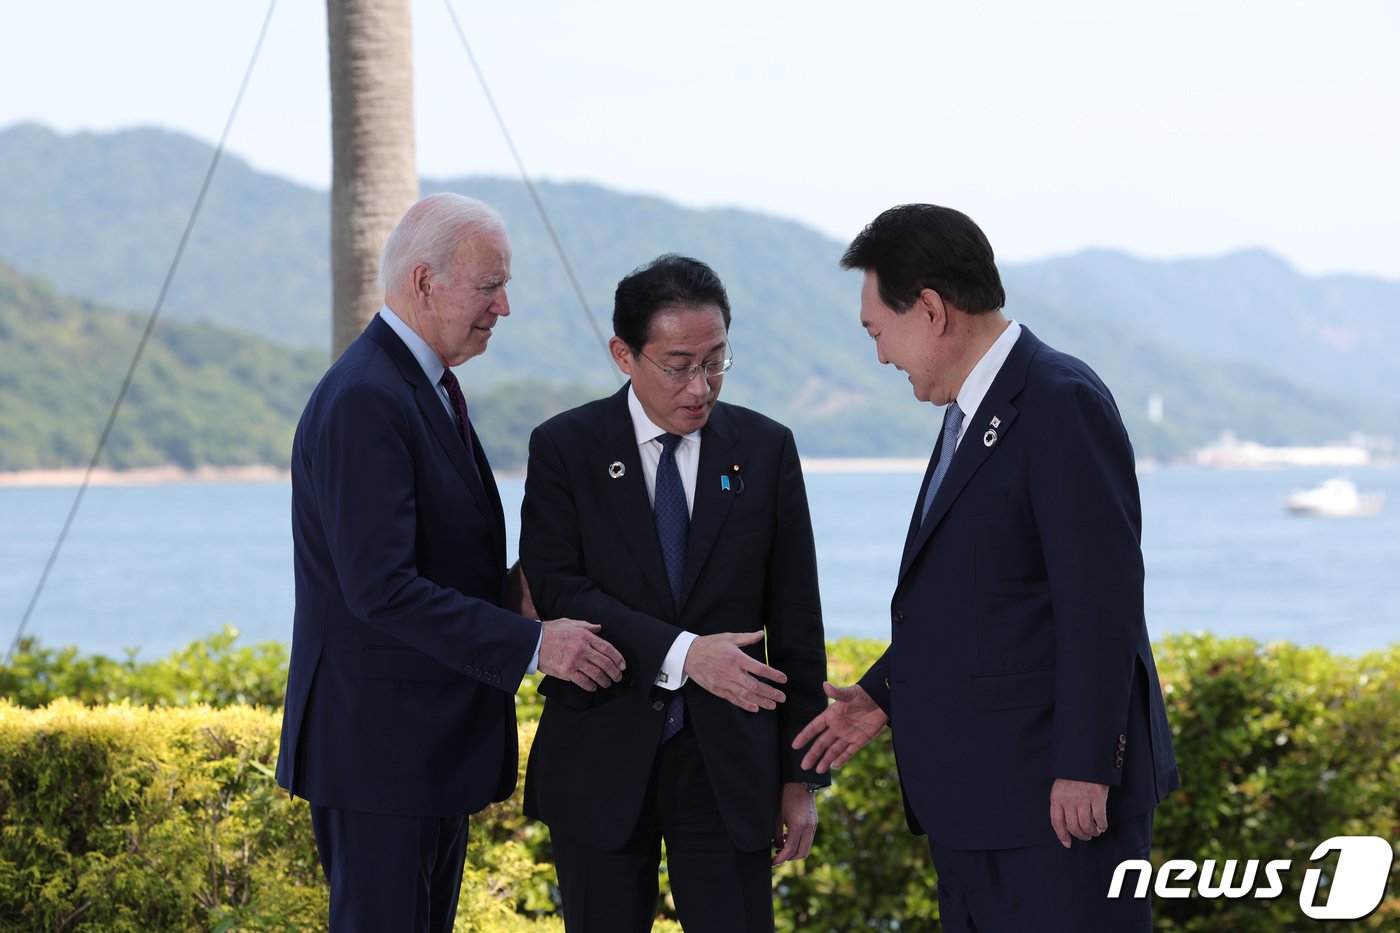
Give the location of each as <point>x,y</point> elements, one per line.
<point>1028,722</point>
<point>399,719</point>
<point>679,523</point>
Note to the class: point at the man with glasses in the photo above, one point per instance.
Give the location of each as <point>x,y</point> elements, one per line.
<point>681,526</point>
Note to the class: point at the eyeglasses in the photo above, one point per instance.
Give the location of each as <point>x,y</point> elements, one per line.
<point>683,374</point>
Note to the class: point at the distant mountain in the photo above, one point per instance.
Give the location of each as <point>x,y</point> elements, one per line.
<point>100,216</point>
<point>202,395</point>
<point>1337,333</point>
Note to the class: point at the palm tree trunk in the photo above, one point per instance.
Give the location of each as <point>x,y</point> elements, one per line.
<point>374,178</point>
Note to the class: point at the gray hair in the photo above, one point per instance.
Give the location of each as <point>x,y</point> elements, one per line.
<point>431,231</point>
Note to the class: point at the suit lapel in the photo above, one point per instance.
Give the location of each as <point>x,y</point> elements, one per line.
<point>718,455</point>
<point>973,451</point>
<point>626,494</point>
<point>493,496</point>
<point>433,411</point>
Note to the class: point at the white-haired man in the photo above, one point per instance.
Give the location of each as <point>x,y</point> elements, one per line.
<point>399,719</point>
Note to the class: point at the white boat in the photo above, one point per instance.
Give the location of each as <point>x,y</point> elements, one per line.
<point>1337,497</point>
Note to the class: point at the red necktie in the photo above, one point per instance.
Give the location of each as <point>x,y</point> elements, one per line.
<point>459,407</point>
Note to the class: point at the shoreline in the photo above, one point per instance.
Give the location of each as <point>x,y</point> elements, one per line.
<point>145,476</point>
<point>173,475</point>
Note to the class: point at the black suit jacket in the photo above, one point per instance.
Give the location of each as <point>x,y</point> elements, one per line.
<point>1019,650</point>
<point>403,668</point>
<point>589,548</point>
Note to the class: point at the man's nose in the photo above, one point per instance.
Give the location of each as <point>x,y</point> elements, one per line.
<point>698,387</point>
<point>502,308</point>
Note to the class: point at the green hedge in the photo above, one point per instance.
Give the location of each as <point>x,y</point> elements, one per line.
<point>127,817</point>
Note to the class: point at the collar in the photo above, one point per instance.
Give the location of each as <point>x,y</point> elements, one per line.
<point>644,427</point>
<point>975,386</point>
<point>427,359</point>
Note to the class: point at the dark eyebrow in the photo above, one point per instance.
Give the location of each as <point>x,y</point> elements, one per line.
<point>687,355</point>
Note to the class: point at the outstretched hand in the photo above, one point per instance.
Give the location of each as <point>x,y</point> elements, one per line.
<point>719,664</point>
<point>840,730</point>
<point>571,650</point>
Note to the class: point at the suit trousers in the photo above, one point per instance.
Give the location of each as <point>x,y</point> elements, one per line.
<point>717,888</point>
<point>390,872</point>
<point>1046,888</point>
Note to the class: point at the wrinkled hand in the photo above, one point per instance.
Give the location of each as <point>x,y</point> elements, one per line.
<point>1078,809</point>
<point>797,824</point>
<point>570,650</point>
<point>718,663</point>
<point>840,730</point>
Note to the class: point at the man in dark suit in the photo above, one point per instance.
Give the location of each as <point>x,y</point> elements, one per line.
<point>680,524</point>
<point>1019,682</point>
<point>399,719</point>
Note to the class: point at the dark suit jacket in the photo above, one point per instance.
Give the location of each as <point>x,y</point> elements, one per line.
<point>1019,649</point>
<point>589,548</point>
<point>403,669</point>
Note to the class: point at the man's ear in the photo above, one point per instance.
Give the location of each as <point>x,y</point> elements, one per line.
<point>422,280</point>
<point>621,354</point>
<point>931,303</point>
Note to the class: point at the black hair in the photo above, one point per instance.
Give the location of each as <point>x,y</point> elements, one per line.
<point>916,246</point>
<point>668,281</point>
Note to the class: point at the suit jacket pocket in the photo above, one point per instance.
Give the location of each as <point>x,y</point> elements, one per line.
<point>1014,690</point>
<point>394,662</point>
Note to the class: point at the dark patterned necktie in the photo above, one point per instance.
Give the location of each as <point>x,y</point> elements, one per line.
<point>673,530</point>
<point>952,421</point>
<point>459,408</point>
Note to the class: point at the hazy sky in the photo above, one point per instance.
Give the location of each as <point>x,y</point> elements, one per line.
<point>1174,129</point>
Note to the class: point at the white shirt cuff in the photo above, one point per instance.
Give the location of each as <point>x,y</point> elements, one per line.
<point>672,676</point>
<point>535,658</point>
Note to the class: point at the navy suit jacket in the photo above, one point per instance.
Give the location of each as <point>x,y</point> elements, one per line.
<point>589,548</point>
<point>400,693</point>
<point>1019,650</point>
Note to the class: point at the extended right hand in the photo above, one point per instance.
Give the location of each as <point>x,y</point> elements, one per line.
<point>840,730</point>
<point>570,650</point>
<point>719,664</point>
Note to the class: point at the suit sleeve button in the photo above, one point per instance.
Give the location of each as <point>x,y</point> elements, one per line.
<point>658,706</point>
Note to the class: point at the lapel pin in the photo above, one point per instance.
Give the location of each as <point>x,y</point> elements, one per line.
<point>733,481</point>
<point>996,422</point>
<point>989,438</point>
<point>616,470</point>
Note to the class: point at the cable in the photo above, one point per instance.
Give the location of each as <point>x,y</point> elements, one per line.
<point>141,345</point>
<point>530,186</point>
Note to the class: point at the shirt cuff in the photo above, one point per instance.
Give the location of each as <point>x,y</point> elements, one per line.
<point>535,658</point>
<point>672,676</point>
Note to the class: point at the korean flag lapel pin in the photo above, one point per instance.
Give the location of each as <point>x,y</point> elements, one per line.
<point>990,438</point>
<point>617,470</point>
<point>732,480</point>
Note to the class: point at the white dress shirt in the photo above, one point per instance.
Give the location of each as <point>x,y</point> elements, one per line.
<point>687,456</point>
<point>979,381</point>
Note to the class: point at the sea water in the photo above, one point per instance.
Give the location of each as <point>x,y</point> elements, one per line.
<point>154,567</point>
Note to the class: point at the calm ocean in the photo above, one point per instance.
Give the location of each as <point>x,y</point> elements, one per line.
<point>155,567</point>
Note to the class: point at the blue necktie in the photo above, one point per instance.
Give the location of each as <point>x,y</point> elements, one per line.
<point>673,529</point>
<point>952,421</point>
